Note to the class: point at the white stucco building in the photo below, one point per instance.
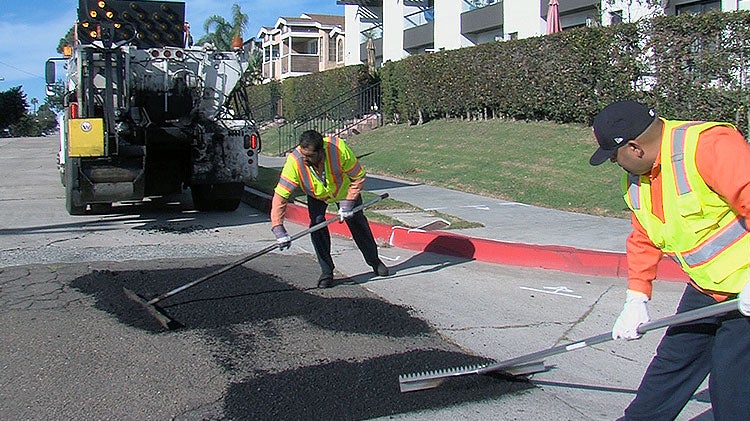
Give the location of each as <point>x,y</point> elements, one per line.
<point>400,28</point>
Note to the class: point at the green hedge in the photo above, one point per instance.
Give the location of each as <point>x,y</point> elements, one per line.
<point>687,66</point>
<point>302,96</point>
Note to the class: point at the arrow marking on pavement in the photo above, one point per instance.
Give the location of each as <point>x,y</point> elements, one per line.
<point>554,291</point>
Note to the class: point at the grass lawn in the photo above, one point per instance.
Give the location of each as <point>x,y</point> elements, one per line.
<point>538,163</point>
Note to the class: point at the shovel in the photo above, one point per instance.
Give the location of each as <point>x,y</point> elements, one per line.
<point>532,363</point>
<point>161,316</point>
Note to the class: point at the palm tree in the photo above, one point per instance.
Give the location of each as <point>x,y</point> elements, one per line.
<point>220,32</point>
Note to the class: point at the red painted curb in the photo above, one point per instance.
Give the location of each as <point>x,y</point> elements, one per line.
<point>562,258</point>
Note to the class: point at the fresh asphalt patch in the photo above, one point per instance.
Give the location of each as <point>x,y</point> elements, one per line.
<point>358,390</point>
<point>293,351</point>
<point>241,295</point>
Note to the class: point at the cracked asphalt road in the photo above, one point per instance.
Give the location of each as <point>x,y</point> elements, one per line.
<point>260,342</point>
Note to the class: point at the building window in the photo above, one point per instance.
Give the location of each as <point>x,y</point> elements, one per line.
<point>615,17</point>
<point>340,50</point>
<point>312,47</point>
<point>331,49</point>
<point>698,7</point>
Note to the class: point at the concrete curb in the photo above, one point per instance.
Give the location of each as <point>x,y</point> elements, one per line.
<point>553,257</point>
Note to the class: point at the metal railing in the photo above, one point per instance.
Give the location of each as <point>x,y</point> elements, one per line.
<point>341,117</point>
<point>266,112</point>
<point>419,18</point>
<point>477,4</point>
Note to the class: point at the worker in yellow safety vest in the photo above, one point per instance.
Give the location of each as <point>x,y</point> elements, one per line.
<point>327,172</point>
<point>687,184</point>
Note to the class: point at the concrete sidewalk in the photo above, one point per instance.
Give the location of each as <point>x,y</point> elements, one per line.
<point>512,233</point>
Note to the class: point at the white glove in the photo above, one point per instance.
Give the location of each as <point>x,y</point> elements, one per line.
<point>634,313</point>
<point>345,209</point>
<point>282,238</point>
<point>744,300</point>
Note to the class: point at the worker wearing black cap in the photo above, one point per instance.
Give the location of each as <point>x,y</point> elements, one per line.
<point>687,184</point>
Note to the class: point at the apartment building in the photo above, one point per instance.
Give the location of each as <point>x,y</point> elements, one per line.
<point>399,28</point>
<point>299,46</point>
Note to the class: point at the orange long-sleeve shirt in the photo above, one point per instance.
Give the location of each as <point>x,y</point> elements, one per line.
<point>723,161</point>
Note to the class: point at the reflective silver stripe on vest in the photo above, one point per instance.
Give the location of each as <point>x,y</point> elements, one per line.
<point>678,157</point>
<point>634,191</point>
<point>304,178</point>
<point>715,245</point>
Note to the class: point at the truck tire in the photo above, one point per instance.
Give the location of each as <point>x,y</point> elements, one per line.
<point>101,208</point>
<point>223,197</point>
<point>72,195</point>
<point>201,199</point>
<point>228,196</point>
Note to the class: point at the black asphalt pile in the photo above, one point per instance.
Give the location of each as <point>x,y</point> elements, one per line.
<point>296,353</point>
<point>240,295</point>
<point>360,390</point>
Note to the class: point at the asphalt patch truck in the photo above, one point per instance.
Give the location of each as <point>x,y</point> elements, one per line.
<point>146,114</point>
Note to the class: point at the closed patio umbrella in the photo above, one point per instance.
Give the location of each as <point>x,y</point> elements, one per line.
<point>370,56</point>
<point>553,18</point>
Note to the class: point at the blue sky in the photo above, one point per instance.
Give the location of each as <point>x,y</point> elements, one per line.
<point>31,30</point>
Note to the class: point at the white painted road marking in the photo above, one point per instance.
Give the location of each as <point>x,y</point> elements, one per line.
<point>554,291</point>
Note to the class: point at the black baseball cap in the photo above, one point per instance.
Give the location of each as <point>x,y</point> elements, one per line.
<point>618,123</point>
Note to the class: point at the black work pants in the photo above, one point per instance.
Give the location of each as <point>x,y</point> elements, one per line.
<point>321,239</point>
<point>717,345</point>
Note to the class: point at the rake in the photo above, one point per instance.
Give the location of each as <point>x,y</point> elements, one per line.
<point>533,363</point>
<point>163,318</point>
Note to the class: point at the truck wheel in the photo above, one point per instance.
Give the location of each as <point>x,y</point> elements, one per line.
<point>201,199</point>
<point>228,196</point>
<point>72,196</point>
<point>101,208</point>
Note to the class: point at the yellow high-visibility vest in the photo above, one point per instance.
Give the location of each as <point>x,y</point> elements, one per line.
<point>341,166</point>
<point>700,231</point>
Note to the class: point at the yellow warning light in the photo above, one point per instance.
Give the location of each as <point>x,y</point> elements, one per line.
<point>67,50</point>
<point>85,24</point>
<point>93,14</point>
<point>92,34</point>
<point>110,14</point>
<point>101,4</point>
<point>117,25</point>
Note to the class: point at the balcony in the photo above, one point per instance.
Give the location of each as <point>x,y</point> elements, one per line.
<point>300,63</point>
<point>477,20</point>
<point>419,31</point>
<point>470,5</point>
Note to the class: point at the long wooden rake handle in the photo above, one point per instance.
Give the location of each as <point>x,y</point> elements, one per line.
<point>430,379</point>
<point>260,252</point>
<point>675,319</point>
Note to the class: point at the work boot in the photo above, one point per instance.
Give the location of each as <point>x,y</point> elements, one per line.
<point>325,280</point>
<point>380,269</point>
